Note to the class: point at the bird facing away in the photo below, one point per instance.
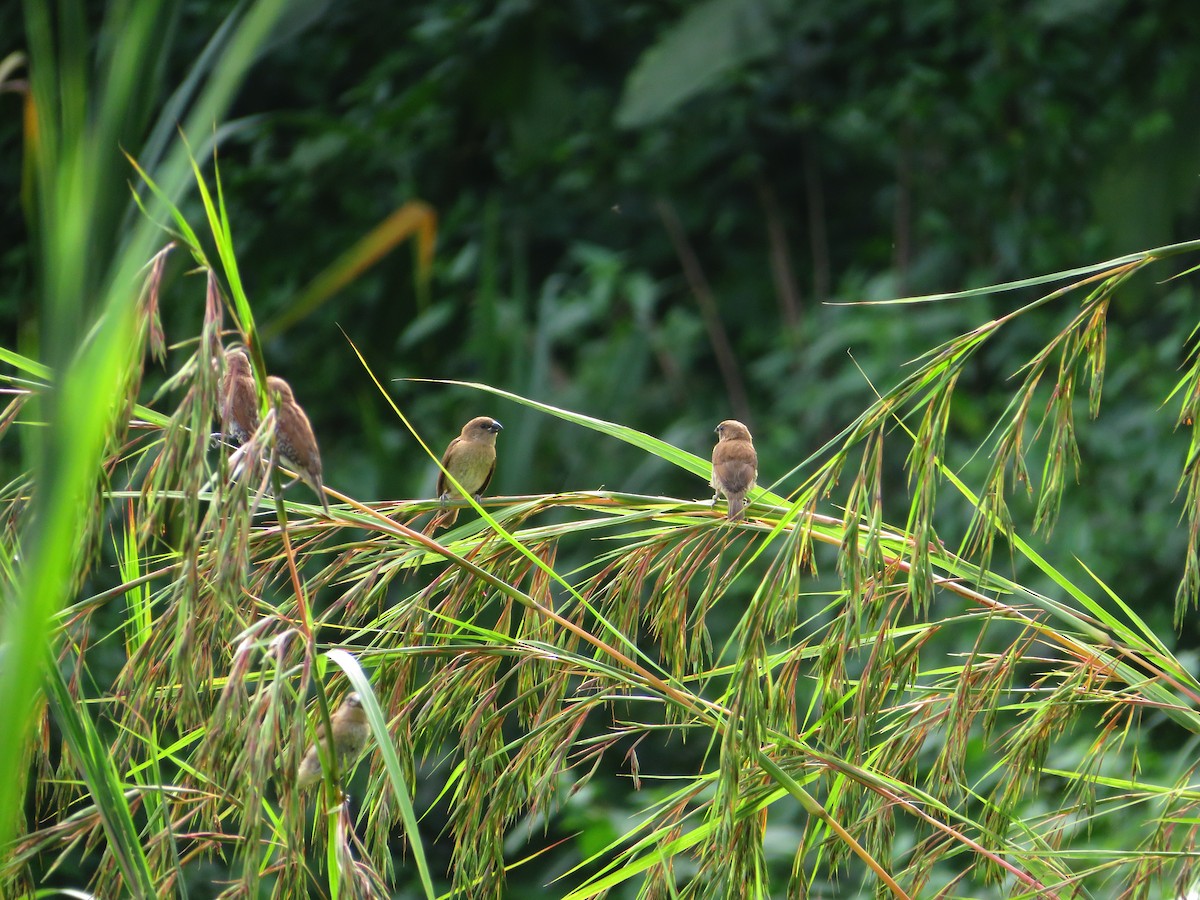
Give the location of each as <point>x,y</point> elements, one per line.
<point>294,438</point>
<point>350,733</point>
<point>471,459</point>
<point>239,398</point>
<point>735,466</point>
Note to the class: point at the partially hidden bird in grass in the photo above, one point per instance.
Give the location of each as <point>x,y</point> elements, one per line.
<point>471,459</point>
<point>239,398</point>
<point>294,438</point>
<point>350,733</point>
<point>735,466</point>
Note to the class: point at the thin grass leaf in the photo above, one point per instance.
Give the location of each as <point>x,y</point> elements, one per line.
<point>81,736</point>
<point>391,762</point>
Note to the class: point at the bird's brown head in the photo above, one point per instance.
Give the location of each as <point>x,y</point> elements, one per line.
<point>238,362</point>
<point>733,430</point>
<point>351,709</point>
<point>481,428</point>
<point>280,389</point>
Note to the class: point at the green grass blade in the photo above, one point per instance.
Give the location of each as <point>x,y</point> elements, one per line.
<point>391,762</point>
<point>92,755</point>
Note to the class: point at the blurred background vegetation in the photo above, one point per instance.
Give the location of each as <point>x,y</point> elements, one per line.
<point>817,152</point>
<point>656,213</point>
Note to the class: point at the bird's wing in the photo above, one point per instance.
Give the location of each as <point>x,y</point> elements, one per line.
<point>488,478</point>
<point>740,476</point>
<point>443,484</point>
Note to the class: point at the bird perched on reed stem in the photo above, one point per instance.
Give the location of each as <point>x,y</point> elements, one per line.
<point>350,733</point>
<point>294,438</point>
<point>735,466</point>
<point>471,459</point>
<point>239,398</point>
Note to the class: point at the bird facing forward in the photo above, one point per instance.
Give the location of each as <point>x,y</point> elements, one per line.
<point>471,459</point>
<point>294,438</point>
<point>735,466</point>
<point>350,733</point>
<point>239,398</point>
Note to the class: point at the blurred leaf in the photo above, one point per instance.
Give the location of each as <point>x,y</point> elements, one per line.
<point>414,220</point>
<point>712,38</point>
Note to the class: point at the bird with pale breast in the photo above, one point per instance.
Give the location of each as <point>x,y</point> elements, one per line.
<point>294,438</point>
<point>239,398</point>
<point>735,466</point>
<point>350,733</point>
<point>471,459</point>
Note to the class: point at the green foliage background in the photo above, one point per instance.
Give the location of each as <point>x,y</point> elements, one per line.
<point>658,215</point>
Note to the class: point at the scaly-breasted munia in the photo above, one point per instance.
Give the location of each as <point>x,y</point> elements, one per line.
<point>471,459</point>
<point>294,438</point>
<point>735,466</point>
<point>350,733</point>
<point>239,398</point>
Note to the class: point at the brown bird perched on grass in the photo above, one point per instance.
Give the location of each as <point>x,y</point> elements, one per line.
<point>471,459</point>
<point>350,733</point>
<point>735,466</point>
<point>294,438</point>
<point>239,398</point>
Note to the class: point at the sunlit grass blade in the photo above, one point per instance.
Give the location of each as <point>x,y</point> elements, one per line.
<point>1036,281</point>
<point>391,762</point>
<point>668,452</point>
